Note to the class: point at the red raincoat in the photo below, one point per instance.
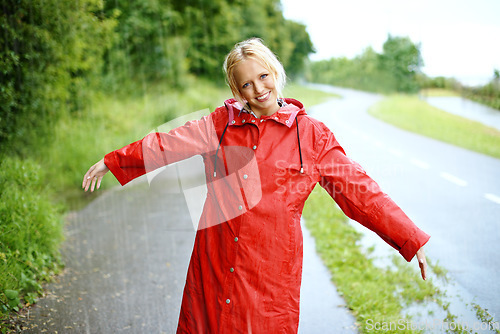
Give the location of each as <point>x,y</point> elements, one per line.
<point>245,271</point>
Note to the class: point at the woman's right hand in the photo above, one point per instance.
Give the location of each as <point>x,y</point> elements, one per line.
<point>93,175</point>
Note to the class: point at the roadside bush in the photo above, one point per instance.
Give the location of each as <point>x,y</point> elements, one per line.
<point>488,94</point>
<point>30,232</point>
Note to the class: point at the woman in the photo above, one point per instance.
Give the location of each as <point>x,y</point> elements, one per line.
<point>263,156</point>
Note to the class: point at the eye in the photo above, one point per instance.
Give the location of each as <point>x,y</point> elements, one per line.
<point>263,76</point>
<point>245,85</point>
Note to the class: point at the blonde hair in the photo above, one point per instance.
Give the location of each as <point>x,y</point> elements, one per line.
<point>253,48</point>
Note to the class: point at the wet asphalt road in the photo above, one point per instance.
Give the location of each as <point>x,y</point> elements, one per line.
<point>451,193</point>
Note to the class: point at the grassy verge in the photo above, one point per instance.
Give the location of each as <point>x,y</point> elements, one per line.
<point>438,92</point>
<point>410,113</point>
<point>374,295</point>
<point>30,234</point>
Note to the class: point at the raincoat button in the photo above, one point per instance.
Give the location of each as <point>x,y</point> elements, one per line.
<point>287,121</point>
<point>253,121</point>
<point>233,121</point>
<point>261,120</point>
<point>228,301</point>
<point>275,117</point>
<point>254,147</point>
<point>240,207</point>
<point>243,121</point>
<point>235,239</point>
<point>245,176</point>
<point>231,270</point>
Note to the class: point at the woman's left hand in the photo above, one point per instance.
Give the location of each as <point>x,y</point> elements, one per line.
<point>422,262</point>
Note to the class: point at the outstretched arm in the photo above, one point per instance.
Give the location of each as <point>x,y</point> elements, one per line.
<point>159,149</point>
<point>361,199</point>
<point>94,175</point>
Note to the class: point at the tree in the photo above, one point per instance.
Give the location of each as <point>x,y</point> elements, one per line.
<point>302,47</point>
<point>402,58</point>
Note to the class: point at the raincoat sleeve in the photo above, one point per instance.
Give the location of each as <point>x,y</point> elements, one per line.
<point>158,149</point>
<point>361,198</point>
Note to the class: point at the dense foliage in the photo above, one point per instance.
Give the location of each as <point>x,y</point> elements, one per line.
<point>395,69</point>
<point>488,94</point>
<point>50,51</point>
<point>165,39</point>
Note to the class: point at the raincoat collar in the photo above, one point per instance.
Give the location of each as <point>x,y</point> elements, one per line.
<point>285,115</point>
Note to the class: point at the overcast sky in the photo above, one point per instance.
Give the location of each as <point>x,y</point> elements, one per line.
<point>459,38</point>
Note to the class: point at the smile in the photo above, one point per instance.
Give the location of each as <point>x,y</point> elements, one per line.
<point>264,97</point>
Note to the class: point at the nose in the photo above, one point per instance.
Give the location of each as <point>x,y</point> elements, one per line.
<point>258,87</point>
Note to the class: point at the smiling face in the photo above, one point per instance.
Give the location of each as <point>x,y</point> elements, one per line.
<point>257,86</point>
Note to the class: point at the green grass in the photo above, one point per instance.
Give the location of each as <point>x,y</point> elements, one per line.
<point>438,92</point>
<point>373,295</point>
<point>413,114</point>
<point>30,232</point>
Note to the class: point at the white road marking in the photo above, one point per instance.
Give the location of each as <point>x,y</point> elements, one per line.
<point>420,163</point>
<point>492,198</point>
<point>453,179</point>
<point>395,152</point>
